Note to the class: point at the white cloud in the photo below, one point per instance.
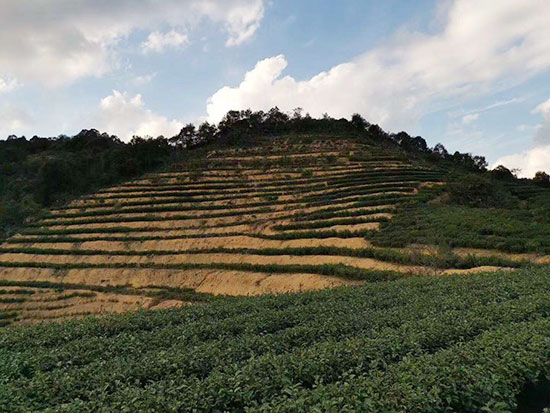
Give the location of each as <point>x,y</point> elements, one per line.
<point>542,136</point>
<point>525,128</point>
<point>8,85</point>
<point>158,42</point>
<point>13,121</point>
<point>528,162</point>
<point>501,103</point>
<point>466,119</point>
<point>59,41</point>
<point>537,158</point>
<point>242,21</point>
<point>543,109</point>
<point>481,43</point>
<point>125,116</point>
<point>486,108</point>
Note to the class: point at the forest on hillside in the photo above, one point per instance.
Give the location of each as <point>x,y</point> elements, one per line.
<point>41,172</point>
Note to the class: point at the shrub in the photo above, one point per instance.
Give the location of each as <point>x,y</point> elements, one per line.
<point>478,191</point>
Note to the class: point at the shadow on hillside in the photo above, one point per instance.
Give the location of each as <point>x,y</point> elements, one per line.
<point>534,397</point>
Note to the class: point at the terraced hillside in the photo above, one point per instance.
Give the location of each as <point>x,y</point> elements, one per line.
<point>286,215</point>
<point>283,216</point>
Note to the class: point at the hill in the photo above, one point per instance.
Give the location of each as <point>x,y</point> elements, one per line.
<point>277,217</point>
<point>441,269</point>
<point>287,214</point>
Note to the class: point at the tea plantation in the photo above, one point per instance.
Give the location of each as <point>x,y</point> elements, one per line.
<point>304,273</point>
<point>422,344</point>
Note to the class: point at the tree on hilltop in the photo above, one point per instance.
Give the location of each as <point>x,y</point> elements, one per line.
<point>542,179</point>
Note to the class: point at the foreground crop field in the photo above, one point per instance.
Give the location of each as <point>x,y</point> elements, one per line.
<point>423,344</point>
<point>286,215</point>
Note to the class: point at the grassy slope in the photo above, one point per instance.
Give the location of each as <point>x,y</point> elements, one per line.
<point>513,230</point>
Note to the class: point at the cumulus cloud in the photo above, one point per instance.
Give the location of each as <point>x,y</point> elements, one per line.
<point>528,162</point>
<point>122,115</point>
<point>393,84</point>
<point>59,41</point>
<point>537,158</point>
<point>158,42</point>
<point>13,121</point>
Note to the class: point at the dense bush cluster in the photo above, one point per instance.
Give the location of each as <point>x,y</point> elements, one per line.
<point>511,230</point>
<point>238,127</point>
<point>40,172</point>
<point>479,191</point>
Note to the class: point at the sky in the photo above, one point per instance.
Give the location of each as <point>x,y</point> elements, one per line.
<point>473,75</point>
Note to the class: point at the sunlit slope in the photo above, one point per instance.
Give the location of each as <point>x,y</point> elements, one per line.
<point>286,215</point>
<point>328,193</point>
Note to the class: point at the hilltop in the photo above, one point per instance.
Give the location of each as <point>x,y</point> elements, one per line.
<point>433,271</point>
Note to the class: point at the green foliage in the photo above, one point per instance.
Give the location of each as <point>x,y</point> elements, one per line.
<point>503,174</point>
<point>426,344</point>
<point>542,179</point>
<point>63,236</point>
<point>509,230</point>
<point>478,191</point>
<point>330,223</point>
<point>182,294</point>
<point>6,315</point>
<point>335,270</point>
<point>18,292</point>
<point>308,173</point>
<point>13,212</point>
<point>540,208</point>
<point>41,172</point>
<point>12,300</point>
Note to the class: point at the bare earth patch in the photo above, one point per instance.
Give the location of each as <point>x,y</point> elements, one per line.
<point>47,304</point>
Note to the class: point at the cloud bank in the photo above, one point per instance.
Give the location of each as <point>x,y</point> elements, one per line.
<point>59,41</point>
<point>537,158</point>
<point>396,83</point>
<point>122,115</point>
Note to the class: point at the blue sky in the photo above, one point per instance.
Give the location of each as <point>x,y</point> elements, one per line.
<point>466,73</point>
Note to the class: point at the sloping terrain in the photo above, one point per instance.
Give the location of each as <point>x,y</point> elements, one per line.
<point>466,343</point>
<point>286,215</point>
<point>34,304</point>
<point>433,312</point>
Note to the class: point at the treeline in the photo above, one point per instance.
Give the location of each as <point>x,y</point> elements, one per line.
<point>239,128</point>
<point>40,172</point>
